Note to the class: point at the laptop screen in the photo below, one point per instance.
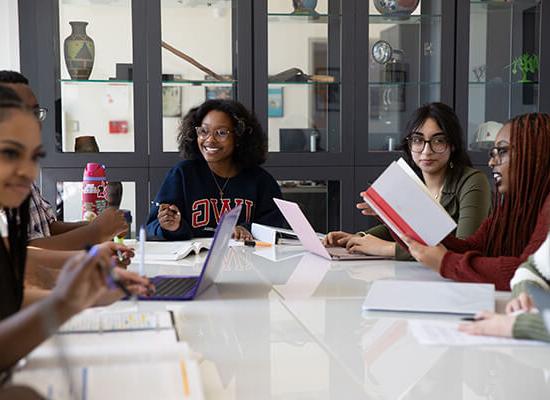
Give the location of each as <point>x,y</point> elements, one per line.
<point>214,259</point>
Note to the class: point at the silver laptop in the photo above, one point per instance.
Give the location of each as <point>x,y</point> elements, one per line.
<point>309,239</point>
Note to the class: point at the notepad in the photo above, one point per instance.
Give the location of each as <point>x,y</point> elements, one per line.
<point>430,297</point>
<point>178,378</point>
<point>406,206</point>
<point>91,321</point>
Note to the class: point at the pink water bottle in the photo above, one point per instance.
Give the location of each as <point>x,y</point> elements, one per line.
<point>94,183</point>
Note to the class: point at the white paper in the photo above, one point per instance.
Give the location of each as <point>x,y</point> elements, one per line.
<point>109,321</point>
<point>168,379</point>
<point>445,333</point>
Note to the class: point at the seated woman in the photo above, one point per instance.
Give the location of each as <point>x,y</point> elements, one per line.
<point>82,281</point>
<point>223,145</point>
<point>433,148</point>
<point>519,322</point>
<point>519,224</point>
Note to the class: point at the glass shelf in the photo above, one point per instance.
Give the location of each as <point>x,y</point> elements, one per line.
<point>394,84</point>
<point>91,81</point>
<point>411,20</point>
<point>199,83</point>
<point>303,83</point>
<point>502,83</point>
<point>310,18</point>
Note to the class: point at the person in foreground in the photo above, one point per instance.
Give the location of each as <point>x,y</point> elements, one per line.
<point>433,147</point>
<point>223,145</point>
<point>520,320</point>
<point>519,223</point>
<point>82,282</point>
<point>45,231</point>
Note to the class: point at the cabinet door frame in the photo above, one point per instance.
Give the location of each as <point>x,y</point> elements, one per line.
<point>363,156</point>
<point>462,65</point>
<point>140,175</point>
<point>40,57</point>
<point>344,24</point>
<point>242,69</point>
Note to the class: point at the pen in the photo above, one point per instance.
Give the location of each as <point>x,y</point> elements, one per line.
<point>255,243</point>
<point>141,250</point>
<point>119,254</point>
<point>209,229</point>
<point>475,318</point>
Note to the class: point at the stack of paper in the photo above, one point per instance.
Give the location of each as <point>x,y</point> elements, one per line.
<point>406,206</point>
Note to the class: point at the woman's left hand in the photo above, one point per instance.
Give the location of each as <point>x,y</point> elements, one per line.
<point>430,256</point>
<point>241,233</point>
<point>490,324</point>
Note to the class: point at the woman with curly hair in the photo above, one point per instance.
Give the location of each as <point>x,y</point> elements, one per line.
<point>223,145</point>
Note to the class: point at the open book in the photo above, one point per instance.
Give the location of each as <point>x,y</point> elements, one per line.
<point>406,206</point>
<point>173,251</point>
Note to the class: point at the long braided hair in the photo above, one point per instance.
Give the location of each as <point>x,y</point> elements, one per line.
<point>516,211</point>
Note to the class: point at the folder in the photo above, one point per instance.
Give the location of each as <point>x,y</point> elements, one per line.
<point>406,206</point>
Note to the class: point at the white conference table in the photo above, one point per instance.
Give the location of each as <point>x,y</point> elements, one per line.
<point>275,327</point>
<point>293,328</point>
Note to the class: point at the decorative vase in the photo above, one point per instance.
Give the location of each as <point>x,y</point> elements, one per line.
<point>79,51</point>
<point>304,6</point>
<point>400,9</point>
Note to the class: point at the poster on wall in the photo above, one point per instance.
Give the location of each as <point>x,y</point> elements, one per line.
<point>275,102</point>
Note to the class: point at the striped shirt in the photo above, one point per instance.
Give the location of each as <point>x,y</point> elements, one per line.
<point>41,215</point>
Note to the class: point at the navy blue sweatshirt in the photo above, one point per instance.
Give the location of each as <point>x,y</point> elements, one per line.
<point>191,187</point>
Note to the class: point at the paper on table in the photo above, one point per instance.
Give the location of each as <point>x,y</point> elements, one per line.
<point>108,321</point>
<point>445,333</point>
<point>166,379</point>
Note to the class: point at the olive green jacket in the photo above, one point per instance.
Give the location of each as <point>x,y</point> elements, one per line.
<point>531,272</point>
<point>466,198</point>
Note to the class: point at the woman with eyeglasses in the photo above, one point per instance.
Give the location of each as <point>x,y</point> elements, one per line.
<point>520,221</point>
<point>223,146</point>
<point>25,318</point>
<point>433,147</point>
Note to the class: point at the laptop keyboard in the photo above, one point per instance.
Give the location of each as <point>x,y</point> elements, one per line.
<point>171,287</point>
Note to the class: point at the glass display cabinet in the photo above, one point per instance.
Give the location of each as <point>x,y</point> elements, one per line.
<point>333,83</point>
<point>503,73</point>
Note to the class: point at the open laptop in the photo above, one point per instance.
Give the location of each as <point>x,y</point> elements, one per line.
<point>309,239</point>
<point>176,287</point>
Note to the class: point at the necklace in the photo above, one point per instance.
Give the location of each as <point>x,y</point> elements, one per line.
<point>222,188</point>
<point>438,194</point>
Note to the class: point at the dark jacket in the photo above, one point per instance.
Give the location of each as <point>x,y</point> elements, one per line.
<point>191,187</point>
